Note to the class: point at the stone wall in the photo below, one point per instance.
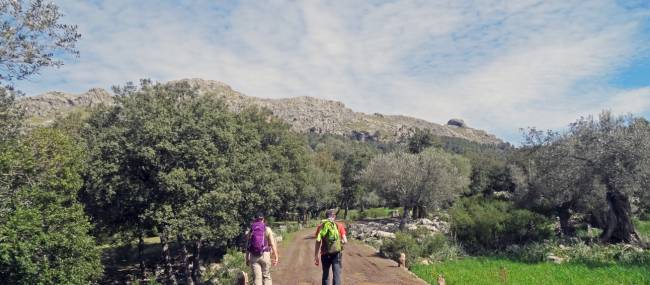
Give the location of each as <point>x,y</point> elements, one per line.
<point>374,231</point>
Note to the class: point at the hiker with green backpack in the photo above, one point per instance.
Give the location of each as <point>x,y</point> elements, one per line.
<point>330,237</point>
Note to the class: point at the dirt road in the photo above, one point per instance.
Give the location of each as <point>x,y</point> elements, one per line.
<point>361,266</point>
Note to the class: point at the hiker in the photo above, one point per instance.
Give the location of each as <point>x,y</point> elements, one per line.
<point>261,248</point>
<point>330,237</point>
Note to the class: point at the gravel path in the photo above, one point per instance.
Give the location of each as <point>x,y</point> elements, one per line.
<point>361,265</point>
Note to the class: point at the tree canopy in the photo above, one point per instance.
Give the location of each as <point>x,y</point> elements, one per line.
<point>168,158</point>
<point>597,168</point>
<point>44,231</point>
<point>31,37</point>
<point>424,181</point>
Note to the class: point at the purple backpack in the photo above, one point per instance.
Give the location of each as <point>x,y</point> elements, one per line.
<point>258,244</point>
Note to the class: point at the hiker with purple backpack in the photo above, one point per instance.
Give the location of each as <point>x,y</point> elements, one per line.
<point>261,248</point>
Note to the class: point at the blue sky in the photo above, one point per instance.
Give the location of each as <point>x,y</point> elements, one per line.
<point>500,65</point>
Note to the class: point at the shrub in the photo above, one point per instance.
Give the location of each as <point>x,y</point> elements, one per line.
<point>233,263</point>
<point>438,247</point>
<point>531,253</point>
<point>481,224</point>
<point>417,244</point>
<point>405,243</point>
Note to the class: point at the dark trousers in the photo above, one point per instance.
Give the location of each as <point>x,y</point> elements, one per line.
<point>333,260</point>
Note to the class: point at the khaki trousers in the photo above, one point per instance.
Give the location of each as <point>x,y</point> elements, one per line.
<point>261,266</point>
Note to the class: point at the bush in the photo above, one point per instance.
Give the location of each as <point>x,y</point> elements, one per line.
<point>531,253</point>
<point>438,247</point>
<point>233,263</point>
<point>403,243</point>
<point>417,244</point>
<point>481,224</point>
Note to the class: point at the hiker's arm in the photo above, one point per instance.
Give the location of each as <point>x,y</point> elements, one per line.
<point>248,254</point>
<point>274,248</point>
<point>317,252</point>
<point>317,246</point>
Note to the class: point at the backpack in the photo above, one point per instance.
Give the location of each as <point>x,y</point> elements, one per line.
<point>257,244</point>
<point>331,237</point>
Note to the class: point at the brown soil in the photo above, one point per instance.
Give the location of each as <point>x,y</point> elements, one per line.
<point>361,265</point>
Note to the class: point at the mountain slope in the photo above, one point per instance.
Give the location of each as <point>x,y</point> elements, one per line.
<point>304,114</point>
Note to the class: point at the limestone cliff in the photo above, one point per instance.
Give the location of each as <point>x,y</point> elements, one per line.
<point>304,114</point>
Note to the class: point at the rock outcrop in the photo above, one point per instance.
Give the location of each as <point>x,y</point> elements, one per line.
<point>304,114</point>
<point>457,122</point>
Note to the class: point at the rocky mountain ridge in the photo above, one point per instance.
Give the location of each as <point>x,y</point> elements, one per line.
<point>304,114</point>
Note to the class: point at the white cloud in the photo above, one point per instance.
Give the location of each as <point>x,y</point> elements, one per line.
<point>501,65</point>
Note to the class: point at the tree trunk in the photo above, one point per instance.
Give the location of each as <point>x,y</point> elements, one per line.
<point>415,214</point>
<point>619,227</point>
<point>185,261</point>
<point>566,230</point>
<point>197,261</point>
<point>143,268</point>
<point>345,213</point>
<point>167,262</point>
<point>405,218</point>
<point>422,212</point>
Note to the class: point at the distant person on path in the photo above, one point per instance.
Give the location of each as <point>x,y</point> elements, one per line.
<point>330,237</point>
<point>261,248</point>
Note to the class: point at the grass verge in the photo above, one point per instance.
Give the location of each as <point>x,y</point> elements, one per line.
<point>502,271</point>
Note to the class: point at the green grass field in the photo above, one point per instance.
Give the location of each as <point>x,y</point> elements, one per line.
<point>371,213</point>
<point>490,271</point>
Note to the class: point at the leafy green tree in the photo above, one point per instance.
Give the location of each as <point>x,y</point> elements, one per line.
<point>490,173</point>
<point>353,156</point>
<point>421,140</point>
<point>169,158</point>
<point>486,224</point>
<point>32,37</point>
<point>428,180</point>
<point>43,229</point>
<point>355,162</point>
<point>322,186</point>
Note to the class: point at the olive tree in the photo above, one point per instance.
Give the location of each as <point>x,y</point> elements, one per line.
<point>428,180</point>
<point>597,167</point>
<point>31,37</point>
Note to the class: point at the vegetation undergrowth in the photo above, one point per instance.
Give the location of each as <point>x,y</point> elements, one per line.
<point>419,245</point>
<point>231,265</point>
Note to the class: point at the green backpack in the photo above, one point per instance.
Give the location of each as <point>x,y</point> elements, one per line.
<point>330,237</point>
